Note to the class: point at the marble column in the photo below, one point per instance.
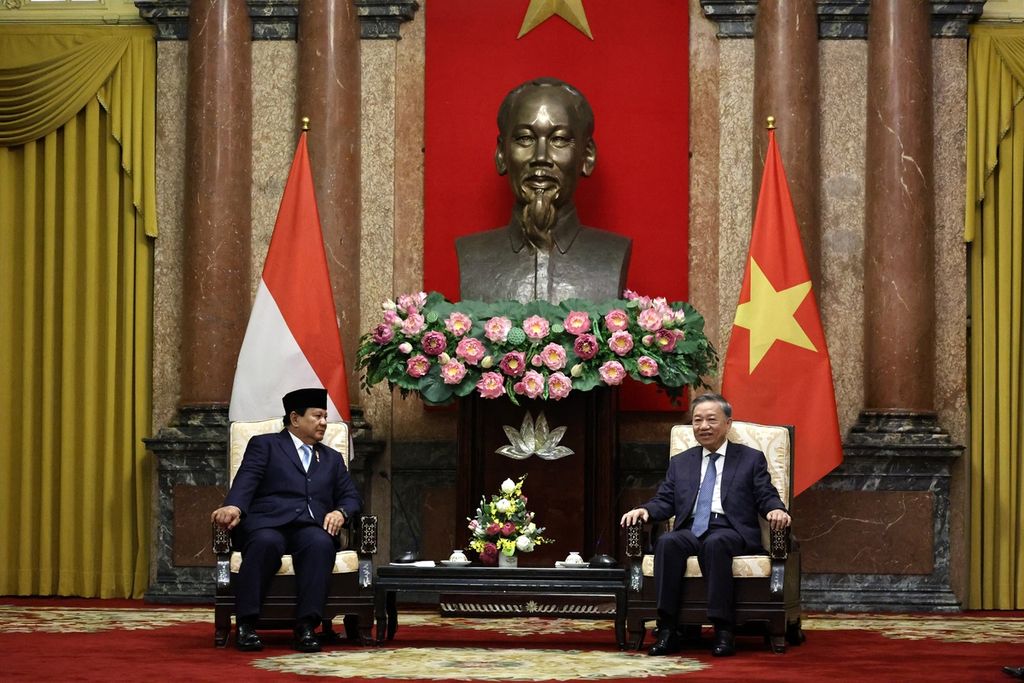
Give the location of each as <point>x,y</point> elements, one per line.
<point>329,94</point>
<point>786,87</point>
<point>880,540</point>
<point>218,214</point>
<point>899,306</point>
<point>191,454</point>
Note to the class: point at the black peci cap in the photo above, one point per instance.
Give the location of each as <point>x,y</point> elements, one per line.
<point>301,399</point>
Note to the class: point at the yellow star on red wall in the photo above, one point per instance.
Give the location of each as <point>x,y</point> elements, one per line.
<point>540,11</point>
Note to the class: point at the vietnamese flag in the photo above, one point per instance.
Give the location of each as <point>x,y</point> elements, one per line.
<point>292,340</point>
<point>777,369</point>
<point>630,60</point>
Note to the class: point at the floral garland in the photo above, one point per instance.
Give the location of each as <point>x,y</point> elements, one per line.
<point>442,350</point>
<point>504,525</point>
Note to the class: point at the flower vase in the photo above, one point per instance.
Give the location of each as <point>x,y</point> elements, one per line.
<point>508,561</point>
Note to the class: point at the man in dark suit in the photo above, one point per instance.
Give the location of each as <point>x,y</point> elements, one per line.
<point>291,495</point>
<point>715,491</point>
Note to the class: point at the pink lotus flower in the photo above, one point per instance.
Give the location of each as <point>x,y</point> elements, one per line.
<point>577,322</point>
<point>621,342</point>
<point>496,329</point>
<point>585,346</point>
<point>513,364</point>
<point>405,347</point>
<point>536,360</point>
<point>434,343</point>
<point>650,319</point>
<point>491,385</point>
<point>559,386</point>
<point>458,324</point>
<point>392,318</point>
<point>417,366</point>
<point>553,356</point>
<point>647,366</point>
<point>612,373</point>
<point>666,339</point>
<point>532,384</point>
<point>470,350</point>
<point>414,324</point>
<point>383,333</point>
<point>507,529</point>
<point>536,327</point>
<point>452,372</point>
<point>410,303</point>
<point>616,320</point>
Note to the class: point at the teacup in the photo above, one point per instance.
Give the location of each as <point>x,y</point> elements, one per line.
<point>573,558</point>
<point>458,556</point>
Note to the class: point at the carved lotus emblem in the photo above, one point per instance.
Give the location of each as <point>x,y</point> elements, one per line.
<point>534,438</point>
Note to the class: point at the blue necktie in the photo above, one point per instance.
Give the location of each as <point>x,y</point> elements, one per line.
<point>307,456</point>
<point>702,516</point>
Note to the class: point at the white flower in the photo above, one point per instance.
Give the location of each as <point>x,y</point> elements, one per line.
<point>443,358</point>
<point>524,544</point>
<point>479,532</point>
<point>531,529</point>
<point>389,305</point>
<point>405,347</point>
<point>508,486</point>
<point>503,505</point>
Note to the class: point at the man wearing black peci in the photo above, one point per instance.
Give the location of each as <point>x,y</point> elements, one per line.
<point>291,495</point>
<point>715,491</point>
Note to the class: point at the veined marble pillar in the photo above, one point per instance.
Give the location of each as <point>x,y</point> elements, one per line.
<point>329,94</point>
<point>786,87</point>
<point>889,501</point>
<point>899,305</point>
<point>216,291</point>
<point>218,212</point>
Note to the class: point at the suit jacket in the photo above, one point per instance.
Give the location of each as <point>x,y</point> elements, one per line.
<point>271,488</point>
<point>747,490</point>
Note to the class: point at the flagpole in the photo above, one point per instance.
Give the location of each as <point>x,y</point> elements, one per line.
<point>770,123</point>
<point>305,123</point>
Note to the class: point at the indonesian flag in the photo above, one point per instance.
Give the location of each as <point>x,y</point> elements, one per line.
<point>777,369</point>
<point>292,341</point>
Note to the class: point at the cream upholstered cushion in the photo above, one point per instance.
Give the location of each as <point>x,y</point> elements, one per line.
<point>336,436</point>
<point>774,442</point>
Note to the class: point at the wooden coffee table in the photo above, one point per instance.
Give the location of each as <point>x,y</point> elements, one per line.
<point>535,582</point>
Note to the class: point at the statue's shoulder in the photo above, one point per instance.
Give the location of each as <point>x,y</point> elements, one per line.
<point>596,238</point>
<point>483,240</point>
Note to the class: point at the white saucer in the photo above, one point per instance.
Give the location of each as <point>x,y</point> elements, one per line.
<point>572,565</point>
<point>453,563</point>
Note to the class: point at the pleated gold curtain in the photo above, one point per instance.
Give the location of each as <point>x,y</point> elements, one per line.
<point>995,231</point>
<point>77,217</point>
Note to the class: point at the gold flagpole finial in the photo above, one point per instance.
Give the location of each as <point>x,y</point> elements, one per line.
<point>770,123</point>
<point>305,123</point>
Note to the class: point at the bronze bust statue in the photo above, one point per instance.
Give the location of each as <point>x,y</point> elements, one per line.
<point>545,144</point>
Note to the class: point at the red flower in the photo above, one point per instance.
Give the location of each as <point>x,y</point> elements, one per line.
<point>507,529</point>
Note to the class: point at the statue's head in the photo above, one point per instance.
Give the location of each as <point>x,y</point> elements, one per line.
<point>545,142</point>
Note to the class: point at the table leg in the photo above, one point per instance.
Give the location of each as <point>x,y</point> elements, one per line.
<point>380,613</point>
<point>392,615</point>
<point>620,619</point>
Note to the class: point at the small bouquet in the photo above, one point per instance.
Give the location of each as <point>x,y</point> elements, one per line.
<point>504,525</point>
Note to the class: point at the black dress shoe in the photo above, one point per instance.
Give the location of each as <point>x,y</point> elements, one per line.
<point>246,639</point>
<point>305,639</point>
<point>725,644</point>
<point>1015,671</point>
<point>666,644</point>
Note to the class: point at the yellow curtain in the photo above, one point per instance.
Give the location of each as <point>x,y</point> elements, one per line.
<point>76,219</point>
<point>994,229</point>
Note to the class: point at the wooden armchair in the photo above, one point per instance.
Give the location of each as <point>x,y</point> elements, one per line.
<point>767,586</point>
<point>351,590</point>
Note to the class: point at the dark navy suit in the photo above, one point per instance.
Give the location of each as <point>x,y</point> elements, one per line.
<point>747,493</point>
<point>276,496</point>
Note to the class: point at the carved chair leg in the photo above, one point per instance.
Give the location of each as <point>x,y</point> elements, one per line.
<point>352,622</point>
<point>220,636</point>
<point>221,626</point>
<point>637,631</point>
<point>776,642</point>
<point>795,633</point>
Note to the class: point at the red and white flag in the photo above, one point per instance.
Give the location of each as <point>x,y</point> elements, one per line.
<point>292,341</point>
<point>777,369</point>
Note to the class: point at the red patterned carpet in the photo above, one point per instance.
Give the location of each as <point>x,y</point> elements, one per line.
<point>104,640</point>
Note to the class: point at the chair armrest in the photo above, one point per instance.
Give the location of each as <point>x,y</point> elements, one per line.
<point>779,543</point>
<point>366,534</point>
<point>221,540</point>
